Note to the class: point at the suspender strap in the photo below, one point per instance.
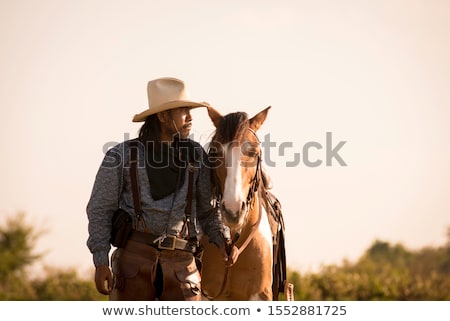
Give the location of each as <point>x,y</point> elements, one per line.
<point>134,146</point>
<point>188,208</point>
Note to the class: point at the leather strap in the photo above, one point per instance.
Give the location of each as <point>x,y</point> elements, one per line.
<point>134,146</point>
<point>188,208</point>
<point>133,173</point>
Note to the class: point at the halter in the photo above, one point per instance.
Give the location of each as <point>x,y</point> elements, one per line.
<point>256,178</point>
<point>254,187</point>
<point>255,181</point>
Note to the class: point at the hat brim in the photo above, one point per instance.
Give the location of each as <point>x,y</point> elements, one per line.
<point>167,106</point>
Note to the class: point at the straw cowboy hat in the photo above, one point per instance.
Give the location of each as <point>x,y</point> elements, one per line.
<point>164,94</point>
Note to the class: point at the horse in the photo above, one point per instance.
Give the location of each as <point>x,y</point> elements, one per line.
<point>241,196</point>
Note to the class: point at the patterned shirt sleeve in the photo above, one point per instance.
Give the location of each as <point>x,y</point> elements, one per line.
<point>208,215</point>
<point>103,203</point>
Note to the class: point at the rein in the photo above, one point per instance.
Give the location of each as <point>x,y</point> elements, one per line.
<point>242,248</point>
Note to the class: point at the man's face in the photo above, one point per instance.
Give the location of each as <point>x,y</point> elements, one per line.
<point>181,121</point>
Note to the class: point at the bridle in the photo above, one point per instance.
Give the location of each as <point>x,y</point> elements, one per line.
<point>254,182</point>
<point>252,192</point>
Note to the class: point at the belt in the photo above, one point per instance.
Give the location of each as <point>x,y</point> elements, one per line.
<point>170,242</point>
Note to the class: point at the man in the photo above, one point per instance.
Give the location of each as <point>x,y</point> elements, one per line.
<point>158,260</point>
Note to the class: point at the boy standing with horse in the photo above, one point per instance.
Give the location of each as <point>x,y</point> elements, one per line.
<point>162,182</point>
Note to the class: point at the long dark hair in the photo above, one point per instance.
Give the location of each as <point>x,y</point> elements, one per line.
<point>150,131</point>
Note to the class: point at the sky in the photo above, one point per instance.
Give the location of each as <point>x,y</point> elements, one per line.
<point>374,75</point>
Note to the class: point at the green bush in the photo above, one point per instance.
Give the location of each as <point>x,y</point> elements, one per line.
<point>384,272</point>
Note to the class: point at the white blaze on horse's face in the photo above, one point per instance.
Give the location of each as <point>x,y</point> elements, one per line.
<point>235,189</point>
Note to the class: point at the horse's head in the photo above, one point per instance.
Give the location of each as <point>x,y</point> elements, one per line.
<point>235,154</point>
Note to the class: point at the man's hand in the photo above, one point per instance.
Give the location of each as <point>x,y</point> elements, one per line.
<point>103,275</point>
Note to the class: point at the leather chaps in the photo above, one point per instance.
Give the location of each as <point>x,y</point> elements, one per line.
<point>142,272</point>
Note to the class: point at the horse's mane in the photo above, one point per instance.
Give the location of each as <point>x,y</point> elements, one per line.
<point>231,127</point>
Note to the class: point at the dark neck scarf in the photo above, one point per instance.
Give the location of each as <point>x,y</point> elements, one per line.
<point>166,165</point>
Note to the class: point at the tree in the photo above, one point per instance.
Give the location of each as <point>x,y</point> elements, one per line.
<point>17,242</point>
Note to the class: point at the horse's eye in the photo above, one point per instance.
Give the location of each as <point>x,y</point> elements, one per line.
<point>249,150</point>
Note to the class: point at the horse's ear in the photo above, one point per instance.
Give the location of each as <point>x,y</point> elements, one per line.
<point>215,116</point>
<point>257,120</point>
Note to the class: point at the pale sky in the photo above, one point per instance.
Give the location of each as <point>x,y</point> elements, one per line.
<point>375,74</point>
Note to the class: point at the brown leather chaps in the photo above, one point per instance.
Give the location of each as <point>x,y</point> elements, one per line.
<point>142,272</point>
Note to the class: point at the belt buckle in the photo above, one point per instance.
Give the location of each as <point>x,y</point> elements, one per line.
<point>164,247</point>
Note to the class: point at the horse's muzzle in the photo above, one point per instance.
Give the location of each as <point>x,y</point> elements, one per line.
<point>233,218</point>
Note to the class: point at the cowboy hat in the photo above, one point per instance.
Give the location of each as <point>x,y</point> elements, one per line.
<point>164,94</point>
